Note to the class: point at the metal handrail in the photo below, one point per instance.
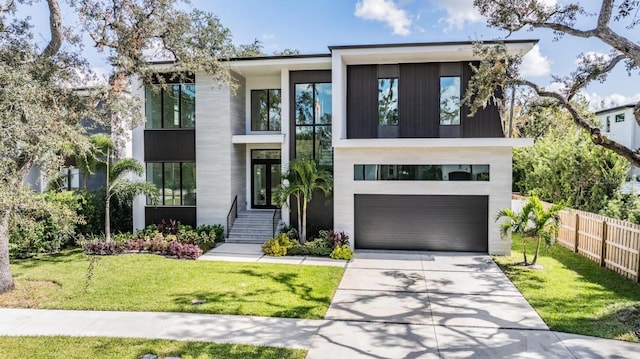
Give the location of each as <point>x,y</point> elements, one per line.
<point>233,210</point>
<point>275,221</point>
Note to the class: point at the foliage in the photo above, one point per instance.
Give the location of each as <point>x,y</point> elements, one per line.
<point>624,206</point>
<point>574,294</point>
<point>291,231</point>
<point>338,239</point>
<point>322,246</point>
<point>144,282</point>
<point>156,245</point>
<point>565,166</point>
<point>301,180</point>
<point>167,226</point>
<point>92,210</point>
<point>59,347</point>
<point>47,227</point>
<point>277,246</point>
<point>500,69</point>
<point>342,252</point>
<point>43,115</point>
<point>533,221</point>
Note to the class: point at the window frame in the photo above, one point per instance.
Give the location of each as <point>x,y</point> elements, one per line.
<point>459,117</point>
<point>268,92</point>
<point>394,83</point>
<point>161,189</point>
<point>620,117</point>
<point>161,94</point>
<point>315,121</point>
<point>361,171</point>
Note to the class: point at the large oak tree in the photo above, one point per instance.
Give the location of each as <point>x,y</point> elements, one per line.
<point>613,25</point>
<point>42,110</point>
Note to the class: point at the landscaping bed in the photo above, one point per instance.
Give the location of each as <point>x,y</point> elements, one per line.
<point>119,348</point>
<point>144,282</point>
<point>574,295</point>
<point>326,244</point>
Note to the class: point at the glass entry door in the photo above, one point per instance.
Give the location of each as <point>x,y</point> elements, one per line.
<point>266,176</point>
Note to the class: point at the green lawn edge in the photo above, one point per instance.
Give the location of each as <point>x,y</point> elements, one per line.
<point>60,347</point>
<point>575,295</point>
<point>147,282</point>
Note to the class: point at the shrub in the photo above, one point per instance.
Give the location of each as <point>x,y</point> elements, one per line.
<point>215,231</point>
<point>183,251</point>
<point>102,248</point>
<point>93,207</point>
<point>342,252</point>
<point>291,232</point>
<point>168,226</point>
<point>278,245</point>
<point>338,239</point>
<point>46,227</point>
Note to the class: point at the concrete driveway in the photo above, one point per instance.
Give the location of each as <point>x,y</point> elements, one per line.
<point>415,305</point>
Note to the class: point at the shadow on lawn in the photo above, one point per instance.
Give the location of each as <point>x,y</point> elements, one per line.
<point>65,256</point>
<point>310,306</point>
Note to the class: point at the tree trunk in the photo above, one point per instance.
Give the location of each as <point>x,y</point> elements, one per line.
<point>304,220</point>
<point>6,280</point>
<point>524,251</point>
<point>107,220</point>
<point>535,256</point>
<point>300,230</point>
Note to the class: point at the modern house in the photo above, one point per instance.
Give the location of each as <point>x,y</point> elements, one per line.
<point>620,124</point>
<point>411,169</point>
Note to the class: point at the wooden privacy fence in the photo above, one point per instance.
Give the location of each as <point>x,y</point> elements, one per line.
<point>613,243</point>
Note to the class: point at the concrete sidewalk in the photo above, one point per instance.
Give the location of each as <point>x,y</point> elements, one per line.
<point>275,332</point>
<point>252,253</point>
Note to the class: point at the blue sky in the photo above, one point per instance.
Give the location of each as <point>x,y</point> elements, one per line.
<point>311,26</point>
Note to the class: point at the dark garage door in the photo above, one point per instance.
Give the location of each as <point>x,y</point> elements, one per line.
<point>435,223</point>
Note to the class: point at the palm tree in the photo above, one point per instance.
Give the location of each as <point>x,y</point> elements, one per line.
<point>122,188</point>
<point>534,221</point>
<point>301,180</point>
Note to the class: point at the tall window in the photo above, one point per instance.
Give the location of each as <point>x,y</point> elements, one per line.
<point>608,126</point>
<point>388,102</point>
<point>265,110</point>
<point>176,182</point>
<point>313,123</point>
<point>450,100</point>
<point>171,107</point>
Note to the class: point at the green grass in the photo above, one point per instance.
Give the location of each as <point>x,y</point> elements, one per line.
<point>144,282</point>
<point>574,295</point>
<point>88,347</point>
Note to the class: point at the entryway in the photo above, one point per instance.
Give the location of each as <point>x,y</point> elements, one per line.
<point>266,176</point>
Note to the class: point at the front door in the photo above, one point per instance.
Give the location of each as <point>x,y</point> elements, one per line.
<point>265,177</point>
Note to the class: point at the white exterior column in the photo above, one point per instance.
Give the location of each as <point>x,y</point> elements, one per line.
<point>285,154</point>
<point>135,150</point>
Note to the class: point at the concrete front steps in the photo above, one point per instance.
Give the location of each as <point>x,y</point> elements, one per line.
<point>252,227</point>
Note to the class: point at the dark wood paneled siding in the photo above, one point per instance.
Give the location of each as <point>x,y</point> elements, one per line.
<point>155,215</point>
<point>418,100</point>
<point>362,101</point>
<point>169,145</point>
<point>486,122</point>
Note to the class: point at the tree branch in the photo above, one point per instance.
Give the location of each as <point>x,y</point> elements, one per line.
<point>605,14</point>
<point>580,83</point>
<point>596,136</point>
<point>564,28</point>
<point>55,24</point>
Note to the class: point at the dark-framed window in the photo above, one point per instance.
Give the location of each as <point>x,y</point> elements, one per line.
<point>176,182</point>
<point>456,172</point>
<point>388,101</point>
<point>619,117</point>
<point>313,123</point>
<point>450,90</point>
<point>173,106</point>
<point>608,125</point>
<point>265,110</point>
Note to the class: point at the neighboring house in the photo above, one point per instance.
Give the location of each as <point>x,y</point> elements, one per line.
<point>620,124</point>
<point>411,170</point>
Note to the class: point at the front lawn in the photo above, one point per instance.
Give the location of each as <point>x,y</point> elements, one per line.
<point>88,347</point>
<point>574,295</point>
<point>146,282</point>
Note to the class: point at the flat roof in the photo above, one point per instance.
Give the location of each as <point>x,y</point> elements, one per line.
<point>617,108</point>
<point>418,44</point>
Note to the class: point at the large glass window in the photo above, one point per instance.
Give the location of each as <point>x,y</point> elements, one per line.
<point>176,182</point>
<point>171,107</point>
<point>388,102</point>
<point>265,110</point>
<point>313,123</point>
<point>421,172</point>
<point>450,100</point>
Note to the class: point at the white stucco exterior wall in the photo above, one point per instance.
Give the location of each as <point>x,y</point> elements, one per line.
<point>498,189</point>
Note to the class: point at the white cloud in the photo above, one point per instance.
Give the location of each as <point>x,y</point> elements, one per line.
<point>459,12</point>
<point>599,102</point>
<point>556,87</point>
<point>386,11</point>
<point>534,64</point>
<point>268,36</point>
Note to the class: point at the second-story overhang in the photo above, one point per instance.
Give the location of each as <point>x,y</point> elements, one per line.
<point>273,65</point>
<point>432,142</point>
<point>422,52</point>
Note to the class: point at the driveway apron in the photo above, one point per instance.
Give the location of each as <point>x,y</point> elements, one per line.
<point>393,304</point>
